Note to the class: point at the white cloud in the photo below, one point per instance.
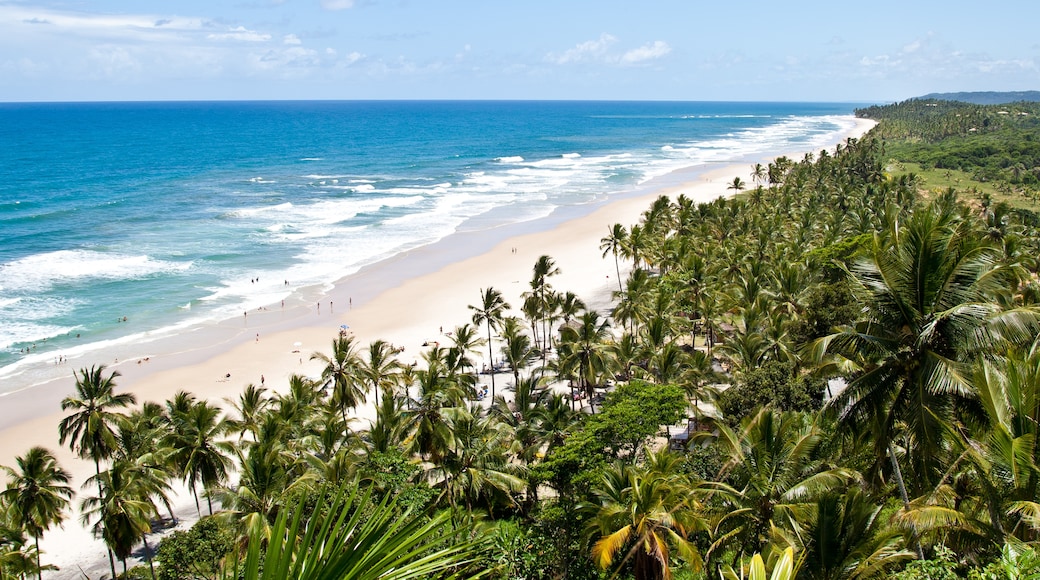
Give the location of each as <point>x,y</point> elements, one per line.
<point>240,33</point>
<point>585,51</point>
<point>599,50</point>
<point>337,4</point>
<point>652,51</point>
<point>291,39</point>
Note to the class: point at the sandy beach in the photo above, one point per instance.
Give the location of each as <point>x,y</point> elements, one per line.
<point>409,300</point>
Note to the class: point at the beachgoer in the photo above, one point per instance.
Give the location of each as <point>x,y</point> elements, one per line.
<point>261,379</point>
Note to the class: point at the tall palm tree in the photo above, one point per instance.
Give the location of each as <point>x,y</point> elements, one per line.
<point>583,345</point>
<point>250,406</point>
<point>641,515</point>
<point>198,452</point>
<point>90,429</point>
<point>518,350</point>
<point>544,268</point>
<point>37,493</point>
<point>491,312</point>
<point>929,292</point>
<point>123,511</point>
<point>475,466</point>
<point>379,367</point>
<point>771,473</point>
<point>613,243</point>
<point>340,374</point>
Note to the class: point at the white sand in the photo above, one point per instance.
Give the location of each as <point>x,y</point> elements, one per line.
<point>405,300</point>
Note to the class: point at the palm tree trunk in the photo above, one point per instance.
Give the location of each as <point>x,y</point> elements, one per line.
<point>898,473</point>
<point>491,360</point>
<point>39,569</point>
<point>100,493</point>
<point>617,268</point>
<point>148,555</point>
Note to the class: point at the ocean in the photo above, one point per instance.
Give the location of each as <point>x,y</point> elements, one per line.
<point>123,223</point>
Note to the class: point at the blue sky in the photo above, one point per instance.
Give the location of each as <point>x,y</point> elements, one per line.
<point>872,51</point>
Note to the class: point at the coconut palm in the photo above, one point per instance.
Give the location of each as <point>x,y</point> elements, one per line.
<point>613,243</point>
<point>773,475</point>
<point>640,516</point>
<point>123,511</point>
<point>90,429</point>
<point>37,494</point>
<point>380,368</point>
<point>250,406</point>
<point>340,375</point>
<point>583,346</point>
<point>518,350</point>
<point>198,452</point>
<point>475,467</point>
<point>465,341</point>
<point>847,538</point>
<point>928,291</point>
<point>544,268</point>
<point>491,312</point>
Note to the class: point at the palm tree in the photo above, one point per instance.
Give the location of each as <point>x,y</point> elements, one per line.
<point>518,351</point>
<point>642,515</point>
<point>490,312</point>
<point>929,294</point>
<point>847,538</point>
<point>341,375</point>
<point>544,268</point>
<point>758,173</point>
<point>475,466</point>
<point>37,493</point>
<point>380,368</point>
<point>90,428</point>
<point>250,406</point>
<point>773,473</point>
<point>123,511</point>
<point>197,451</point>
<point>737,185</point>
<point>613,244</point>
<point>583,346</point>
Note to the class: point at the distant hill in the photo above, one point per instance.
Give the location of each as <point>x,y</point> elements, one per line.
<point>987,97</point>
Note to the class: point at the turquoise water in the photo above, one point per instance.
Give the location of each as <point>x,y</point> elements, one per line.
<point>182,214</point>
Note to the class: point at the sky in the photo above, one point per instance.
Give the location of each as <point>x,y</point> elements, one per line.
<point>687,50</point>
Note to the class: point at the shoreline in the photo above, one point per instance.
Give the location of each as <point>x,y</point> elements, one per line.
<point>409,299</point>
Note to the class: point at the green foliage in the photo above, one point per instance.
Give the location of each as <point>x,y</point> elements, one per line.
<point>826,306</point>
<point>942,567</point>
<point>195,553</point>
<point>355,544</point>
<point>773,384</point>
<point>393,473</point>
<point>634,412</point>
<point>545,549</point>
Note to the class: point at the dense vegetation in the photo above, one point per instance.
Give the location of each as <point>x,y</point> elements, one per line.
<point>997,144</point>
<point>918,460</point>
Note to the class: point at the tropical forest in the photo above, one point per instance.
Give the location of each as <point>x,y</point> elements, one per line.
<point>833,373</point>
